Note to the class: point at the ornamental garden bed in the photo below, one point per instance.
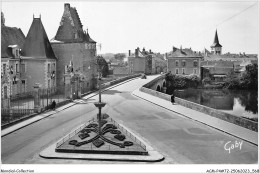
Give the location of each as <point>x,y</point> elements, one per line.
<point>113,139</point>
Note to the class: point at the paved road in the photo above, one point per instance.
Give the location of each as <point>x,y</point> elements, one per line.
<point>179,139</point>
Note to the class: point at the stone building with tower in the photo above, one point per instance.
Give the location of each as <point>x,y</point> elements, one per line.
<point>38,59</point>
<point>74,47</point>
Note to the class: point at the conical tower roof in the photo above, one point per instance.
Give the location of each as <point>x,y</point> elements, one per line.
<point>37,44</point>
<point>216,42</point>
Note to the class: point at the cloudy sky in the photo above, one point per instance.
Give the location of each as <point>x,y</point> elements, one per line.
<point>120,26</point>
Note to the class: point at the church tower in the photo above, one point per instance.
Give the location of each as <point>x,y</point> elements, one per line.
<point>216,48</point>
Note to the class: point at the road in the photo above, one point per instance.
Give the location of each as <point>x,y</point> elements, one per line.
<point>179,139</point>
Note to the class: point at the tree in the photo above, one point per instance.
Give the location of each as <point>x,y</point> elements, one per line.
<point>119,56</point>
<point>103,65</point>
<point>249,79</point>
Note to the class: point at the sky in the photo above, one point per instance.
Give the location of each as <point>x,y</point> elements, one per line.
<point>122,26</point>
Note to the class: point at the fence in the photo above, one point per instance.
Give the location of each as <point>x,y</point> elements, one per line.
<point>11,115</point>
<point>63,140</point>
<point>129,134</point>
<point>57,93</point>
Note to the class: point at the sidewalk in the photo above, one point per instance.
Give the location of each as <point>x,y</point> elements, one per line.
<point>41,116</point>
<point>229,128</point>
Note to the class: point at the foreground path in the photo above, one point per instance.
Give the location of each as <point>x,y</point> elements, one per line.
<point>179,139</point>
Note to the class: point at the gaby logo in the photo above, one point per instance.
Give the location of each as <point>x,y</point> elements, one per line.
<point>230,146</point>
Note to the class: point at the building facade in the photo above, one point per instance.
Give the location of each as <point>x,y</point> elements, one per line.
<point>146,62</point>
<point>38,59</point>
<point>74,47</point>
<point>12,40</point>
<point>184,61</point>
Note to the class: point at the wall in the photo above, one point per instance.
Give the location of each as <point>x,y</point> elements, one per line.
<point>209,111</point>
<point>35,73</point>
<point>120,70</point>
<point>83,60</point>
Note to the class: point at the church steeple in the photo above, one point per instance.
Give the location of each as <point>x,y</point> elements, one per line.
<point>216,48</point>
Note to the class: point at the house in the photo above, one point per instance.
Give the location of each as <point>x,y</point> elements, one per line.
<point>74,46</point>
<point>38,59</point>
<point>12,40</point>
<point>216,70</point>
<point>184,61</point>
<point>140,62</point>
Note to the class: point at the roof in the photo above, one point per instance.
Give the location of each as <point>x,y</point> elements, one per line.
<point>71,28</point>
<point>37,44</point>
<point>216,42</point>
<point>230,57</point>
<point>10,36</point>
<point>185,53</point>
<point>222,64</point>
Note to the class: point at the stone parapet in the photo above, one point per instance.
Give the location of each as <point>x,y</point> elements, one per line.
<point>240,121</point>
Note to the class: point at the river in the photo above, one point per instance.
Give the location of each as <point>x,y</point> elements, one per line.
<point>235,102</point>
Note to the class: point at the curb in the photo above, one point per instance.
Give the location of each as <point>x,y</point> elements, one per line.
<point>134,93</point>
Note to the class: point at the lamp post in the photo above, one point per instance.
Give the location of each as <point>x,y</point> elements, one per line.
<point>99,104</point>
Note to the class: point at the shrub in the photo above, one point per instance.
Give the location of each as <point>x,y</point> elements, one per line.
<point>180,82</point>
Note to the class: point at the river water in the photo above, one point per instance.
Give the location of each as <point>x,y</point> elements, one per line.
<point>235,102</point>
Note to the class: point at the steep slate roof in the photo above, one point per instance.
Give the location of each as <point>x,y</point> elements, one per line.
<point>71,28</point>
<point>10,36</point>
<point>37,44</point>
<point>216,42</point>
<point>185,53</point>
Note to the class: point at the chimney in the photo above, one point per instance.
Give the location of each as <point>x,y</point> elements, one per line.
<point>66,7</point>
<point>129,52</point>
<point>244,53</point>
<point>143,49</point>
<point>136,52</point>
<point>150,51</point>
<point>181,48</point>
<point>174,49</point>
<point>166,55</point>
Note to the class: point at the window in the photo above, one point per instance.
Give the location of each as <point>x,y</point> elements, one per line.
<point>23,85</point>
<point>4,68</point>
<point>176,71</point>
<point>195,71</point>
<point>16,68</point>
<point>5,92</point>
<point>183,70</point>
<point>49,68</point>
<point>184,63</point>
<point>17,53</point>
<point>176,63</point>
<point>195,63</point>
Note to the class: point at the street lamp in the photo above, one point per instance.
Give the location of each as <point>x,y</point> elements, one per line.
<point>99,104</point>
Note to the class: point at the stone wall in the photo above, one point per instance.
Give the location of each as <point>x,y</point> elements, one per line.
<point>83,60</point>
<point>240,121</point>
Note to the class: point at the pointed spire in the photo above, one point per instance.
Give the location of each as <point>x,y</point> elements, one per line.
<point>216,41</point>
<point>216,38</point>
